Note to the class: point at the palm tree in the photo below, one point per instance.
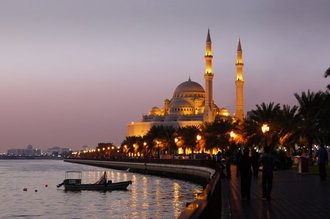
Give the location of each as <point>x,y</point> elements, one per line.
<point>326,74</point>
<point>168,136</point>
<point>264,114</point>
<point>133,143</point>
<point>161,137</point>
<point>310,104</point>
<point>251,132</point>
<point>289,121</point>
<point>188,135</point>
<point>324,118</point>
<point>217,133</point>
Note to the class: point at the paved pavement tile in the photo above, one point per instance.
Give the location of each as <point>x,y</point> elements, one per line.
<point>294,195</point>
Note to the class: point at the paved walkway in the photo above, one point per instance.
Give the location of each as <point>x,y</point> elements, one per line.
<point>294,195</point>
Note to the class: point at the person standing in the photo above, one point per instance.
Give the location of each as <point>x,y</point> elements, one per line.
<point>238,159</point>
<point>228,166</point>
<point>245,166</point>
<point>322,156</point>
<point>267,161</point>
<point>255,163</point>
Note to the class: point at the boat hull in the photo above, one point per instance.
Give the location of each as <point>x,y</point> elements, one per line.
<point>102,187</point>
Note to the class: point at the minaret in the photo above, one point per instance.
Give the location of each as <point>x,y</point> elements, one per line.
<point>239,83</point>
<point>208,76</point>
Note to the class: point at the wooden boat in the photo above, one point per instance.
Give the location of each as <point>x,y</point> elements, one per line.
<point>72,182</point>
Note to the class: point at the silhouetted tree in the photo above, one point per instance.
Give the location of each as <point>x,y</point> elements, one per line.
<point>289,119</point>
<point>188,135</point>
<point>264,114</point>
<point>310,123</point>
<point>217,133</point>
<point>326,74</point>
<point>133,143</point>
<point>161,138</point>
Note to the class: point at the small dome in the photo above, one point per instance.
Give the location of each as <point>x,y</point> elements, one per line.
<point>155,111</point>
<point>224,112</point>
<point>189,86</point>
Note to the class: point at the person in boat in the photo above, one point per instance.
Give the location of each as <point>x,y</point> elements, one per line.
<point>103,179</point>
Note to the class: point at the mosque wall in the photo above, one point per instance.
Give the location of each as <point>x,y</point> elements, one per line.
<point>142,128</point>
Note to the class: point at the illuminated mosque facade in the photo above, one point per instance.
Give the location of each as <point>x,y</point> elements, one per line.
<point>191,104</point>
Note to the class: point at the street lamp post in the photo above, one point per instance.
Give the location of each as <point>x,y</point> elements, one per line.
<point>232,142</point>
<point>158,151</point>
<point>145,148</point>
<point>265,129</point>
<point>198,138</point>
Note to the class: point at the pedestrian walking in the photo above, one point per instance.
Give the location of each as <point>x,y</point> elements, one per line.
<point>238,160</point>
<point>255,163</point>
<point>267,161</point>
<point>245,166</point>
<point>228,164</point>
<point>322,156</point>
<point>220,165</point>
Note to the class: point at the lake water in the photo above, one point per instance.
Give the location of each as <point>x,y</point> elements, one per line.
<point>147,197</point>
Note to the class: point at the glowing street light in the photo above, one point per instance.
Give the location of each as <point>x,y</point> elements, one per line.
<point>158,150</point>
<point>232,134</point>
<point>264,128</point>
<point>198,137</point>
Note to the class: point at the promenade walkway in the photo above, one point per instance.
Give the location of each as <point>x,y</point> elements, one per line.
<point>294,195</point>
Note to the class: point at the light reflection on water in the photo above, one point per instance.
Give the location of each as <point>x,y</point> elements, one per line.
<point>147,197</point>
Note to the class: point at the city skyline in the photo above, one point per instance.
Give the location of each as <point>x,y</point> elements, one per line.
<point>77,74</point>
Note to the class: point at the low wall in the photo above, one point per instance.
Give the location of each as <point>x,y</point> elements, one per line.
<point>206,205</point>
<point>197,174</point>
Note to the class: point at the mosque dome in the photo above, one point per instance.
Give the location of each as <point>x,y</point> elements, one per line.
<point>188,98</point>
<point>180,102</point>
<point>224,112</point>
<point>188,87</point>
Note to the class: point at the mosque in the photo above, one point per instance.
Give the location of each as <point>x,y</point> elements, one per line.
<point>191,104</point>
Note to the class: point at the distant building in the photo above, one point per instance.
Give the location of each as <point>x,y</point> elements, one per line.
<point>56,151</point>
<point>29,151</point>
<point>191,104</point>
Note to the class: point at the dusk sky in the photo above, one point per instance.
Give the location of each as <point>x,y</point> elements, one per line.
<point>76,72</point>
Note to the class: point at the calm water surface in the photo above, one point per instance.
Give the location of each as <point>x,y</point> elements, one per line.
<point>147,197</point>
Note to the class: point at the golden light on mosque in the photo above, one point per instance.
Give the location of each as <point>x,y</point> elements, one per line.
<point>239,77</point>
<point>208,70</point>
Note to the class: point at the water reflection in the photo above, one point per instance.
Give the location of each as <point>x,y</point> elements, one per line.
<point>134,194</point>
<point>147,196</point>
<point>177,203</point>
<point>145,203</point>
